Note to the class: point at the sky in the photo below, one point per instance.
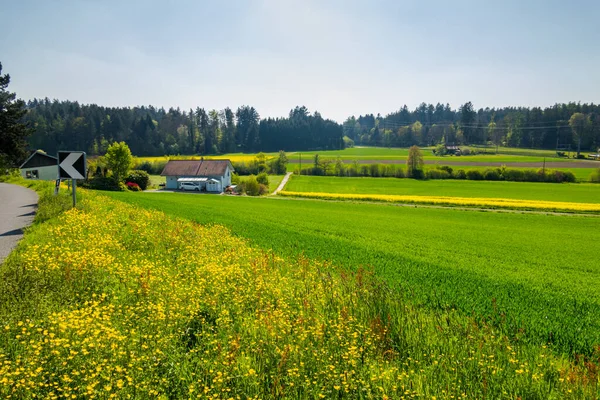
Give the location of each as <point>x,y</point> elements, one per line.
<point>338,57</point>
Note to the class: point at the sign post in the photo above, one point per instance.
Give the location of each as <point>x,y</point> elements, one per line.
<point>72,165</point>
<point>56,186</point>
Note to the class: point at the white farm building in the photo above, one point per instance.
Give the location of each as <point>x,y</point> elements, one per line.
<point>40,166</point>
<point>209,175</point>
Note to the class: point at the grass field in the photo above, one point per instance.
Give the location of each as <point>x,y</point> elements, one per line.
<point>153,306</point>
<point>534,274</point>
<point>574,192</point>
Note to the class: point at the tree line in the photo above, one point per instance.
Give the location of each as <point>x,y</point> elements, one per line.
<point>562,126</point>
<point>151,131</point>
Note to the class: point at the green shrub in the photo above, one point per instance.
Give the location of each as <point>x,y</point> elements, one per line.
<point>262,189</point>
<point>492,175</point>
<point>235,179</point>
<point>140,177</point>
<point>595,177</point>
<point>251,186</point>
<point>460,174</point>
<point>263,179</point>
<point>446,168</point>
<point>375,170</point>
<point>559,176</point>
<point>102,183</point>
<point>438,174</point>
<point>530,175</point>
<point>515,175</point>
<point>399,173</point>
<point>474,175</point>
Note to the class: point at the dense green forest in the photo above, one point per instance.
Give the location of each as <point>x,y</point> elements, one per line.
<point>559,126</point>
<point>156,131</point>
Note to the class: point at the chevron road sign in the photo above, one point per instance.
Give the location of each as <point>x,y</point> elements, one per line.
<point>71,164</point>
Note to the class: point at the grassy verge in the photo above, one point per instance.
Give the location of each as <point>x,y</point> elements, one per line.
<point>133,303</point>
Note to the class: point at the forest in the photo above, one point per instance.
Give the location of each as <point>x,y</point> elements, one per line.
<point>562,126</point>
<point>151,131</point>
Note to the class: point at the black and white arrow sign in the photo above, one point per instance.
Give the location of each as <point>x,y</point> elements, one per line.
<point>71,164</point>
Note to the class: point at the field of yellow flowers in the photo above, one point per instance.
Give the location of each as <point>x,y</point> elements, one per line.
<point>114,301</point>
<point>484,202</point>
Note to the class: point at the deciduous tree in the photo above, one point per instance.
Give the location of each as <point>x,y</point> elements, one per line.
<point>118,159</point>
<point>414,163</point>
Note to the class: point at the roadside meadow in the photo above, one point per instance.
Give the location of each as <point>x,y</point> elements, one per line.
<point>205,296</point>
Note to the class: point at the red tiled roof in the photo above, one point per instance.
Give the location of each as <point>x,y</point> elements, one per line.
<point>196,168</point>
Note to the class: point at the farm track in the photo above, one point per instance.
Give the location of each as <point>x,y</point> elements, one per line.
<point>549,164</point>
<point>284,182</point>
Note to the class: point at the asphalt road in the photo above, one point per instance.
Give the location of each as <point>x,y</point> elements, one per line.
<point>17,209</point>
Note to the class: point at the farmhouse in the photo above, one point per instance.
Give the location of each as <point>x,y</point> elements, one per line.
<point>40,166</point>
<point>209,175</point>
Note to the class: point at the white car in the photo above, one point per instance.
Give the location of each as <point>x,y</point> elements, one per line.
<point>189,186</point>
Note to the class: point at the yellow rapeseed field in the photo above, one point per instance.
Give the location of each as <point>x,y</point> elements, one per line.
<point>114,301</point>
<point>455,201</point>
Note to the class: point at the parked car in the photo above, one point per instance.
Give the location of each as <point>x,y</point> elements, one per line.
<point>189,186</point>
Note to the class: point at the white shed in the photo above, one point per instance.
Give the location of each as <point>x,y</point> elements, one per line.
<point>40,166</point>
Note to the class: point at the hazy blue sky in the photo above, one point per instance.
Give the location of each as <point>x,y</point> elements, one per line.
<point>337,57</point>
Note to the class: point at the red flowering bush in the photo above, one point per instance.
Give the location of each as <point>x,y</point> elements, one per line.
<point>133,186</point>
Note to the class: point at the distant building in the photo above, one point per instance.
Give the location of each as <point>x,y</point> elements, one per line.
<point>40,166</point>
<point>451,149</point>
<point>209,175</point>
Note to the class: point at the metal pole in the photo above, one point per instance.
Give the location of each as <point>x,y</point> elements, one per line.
<point>74,192</point>
<point>544,167</point>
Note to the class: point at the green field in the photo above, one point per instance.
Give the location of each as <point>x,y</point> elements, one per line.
<point>529,273</point>
<point>573,192</point>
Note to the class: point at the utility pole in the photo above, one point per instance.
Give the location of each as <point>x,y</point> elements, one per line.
<point>300,173</point>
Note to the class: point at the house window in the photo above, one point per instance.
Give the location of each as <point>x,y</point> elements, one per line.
<point>33,174</point>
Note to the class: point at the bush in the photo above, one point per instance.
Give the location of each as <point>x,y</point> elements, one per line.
<point>375,170</point>
<point>262,189</point>
<point>559,176</point>
<point>102,183</point>
<point>595,177</point>
<point>466,152</point>
<point>134,187</point>
<point>460,174</point>
<point>440,150</point>
<point>141,178</point>
<point>438,174</point>
<point>446,168</point>
<point>235,179</point>
<point>530,175</point>
<point>492,175</point>
<point>263,179</point>
<point>474,175</point>
<point>251,186</point>
<point>514,175</point>
<point>399,173</point>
